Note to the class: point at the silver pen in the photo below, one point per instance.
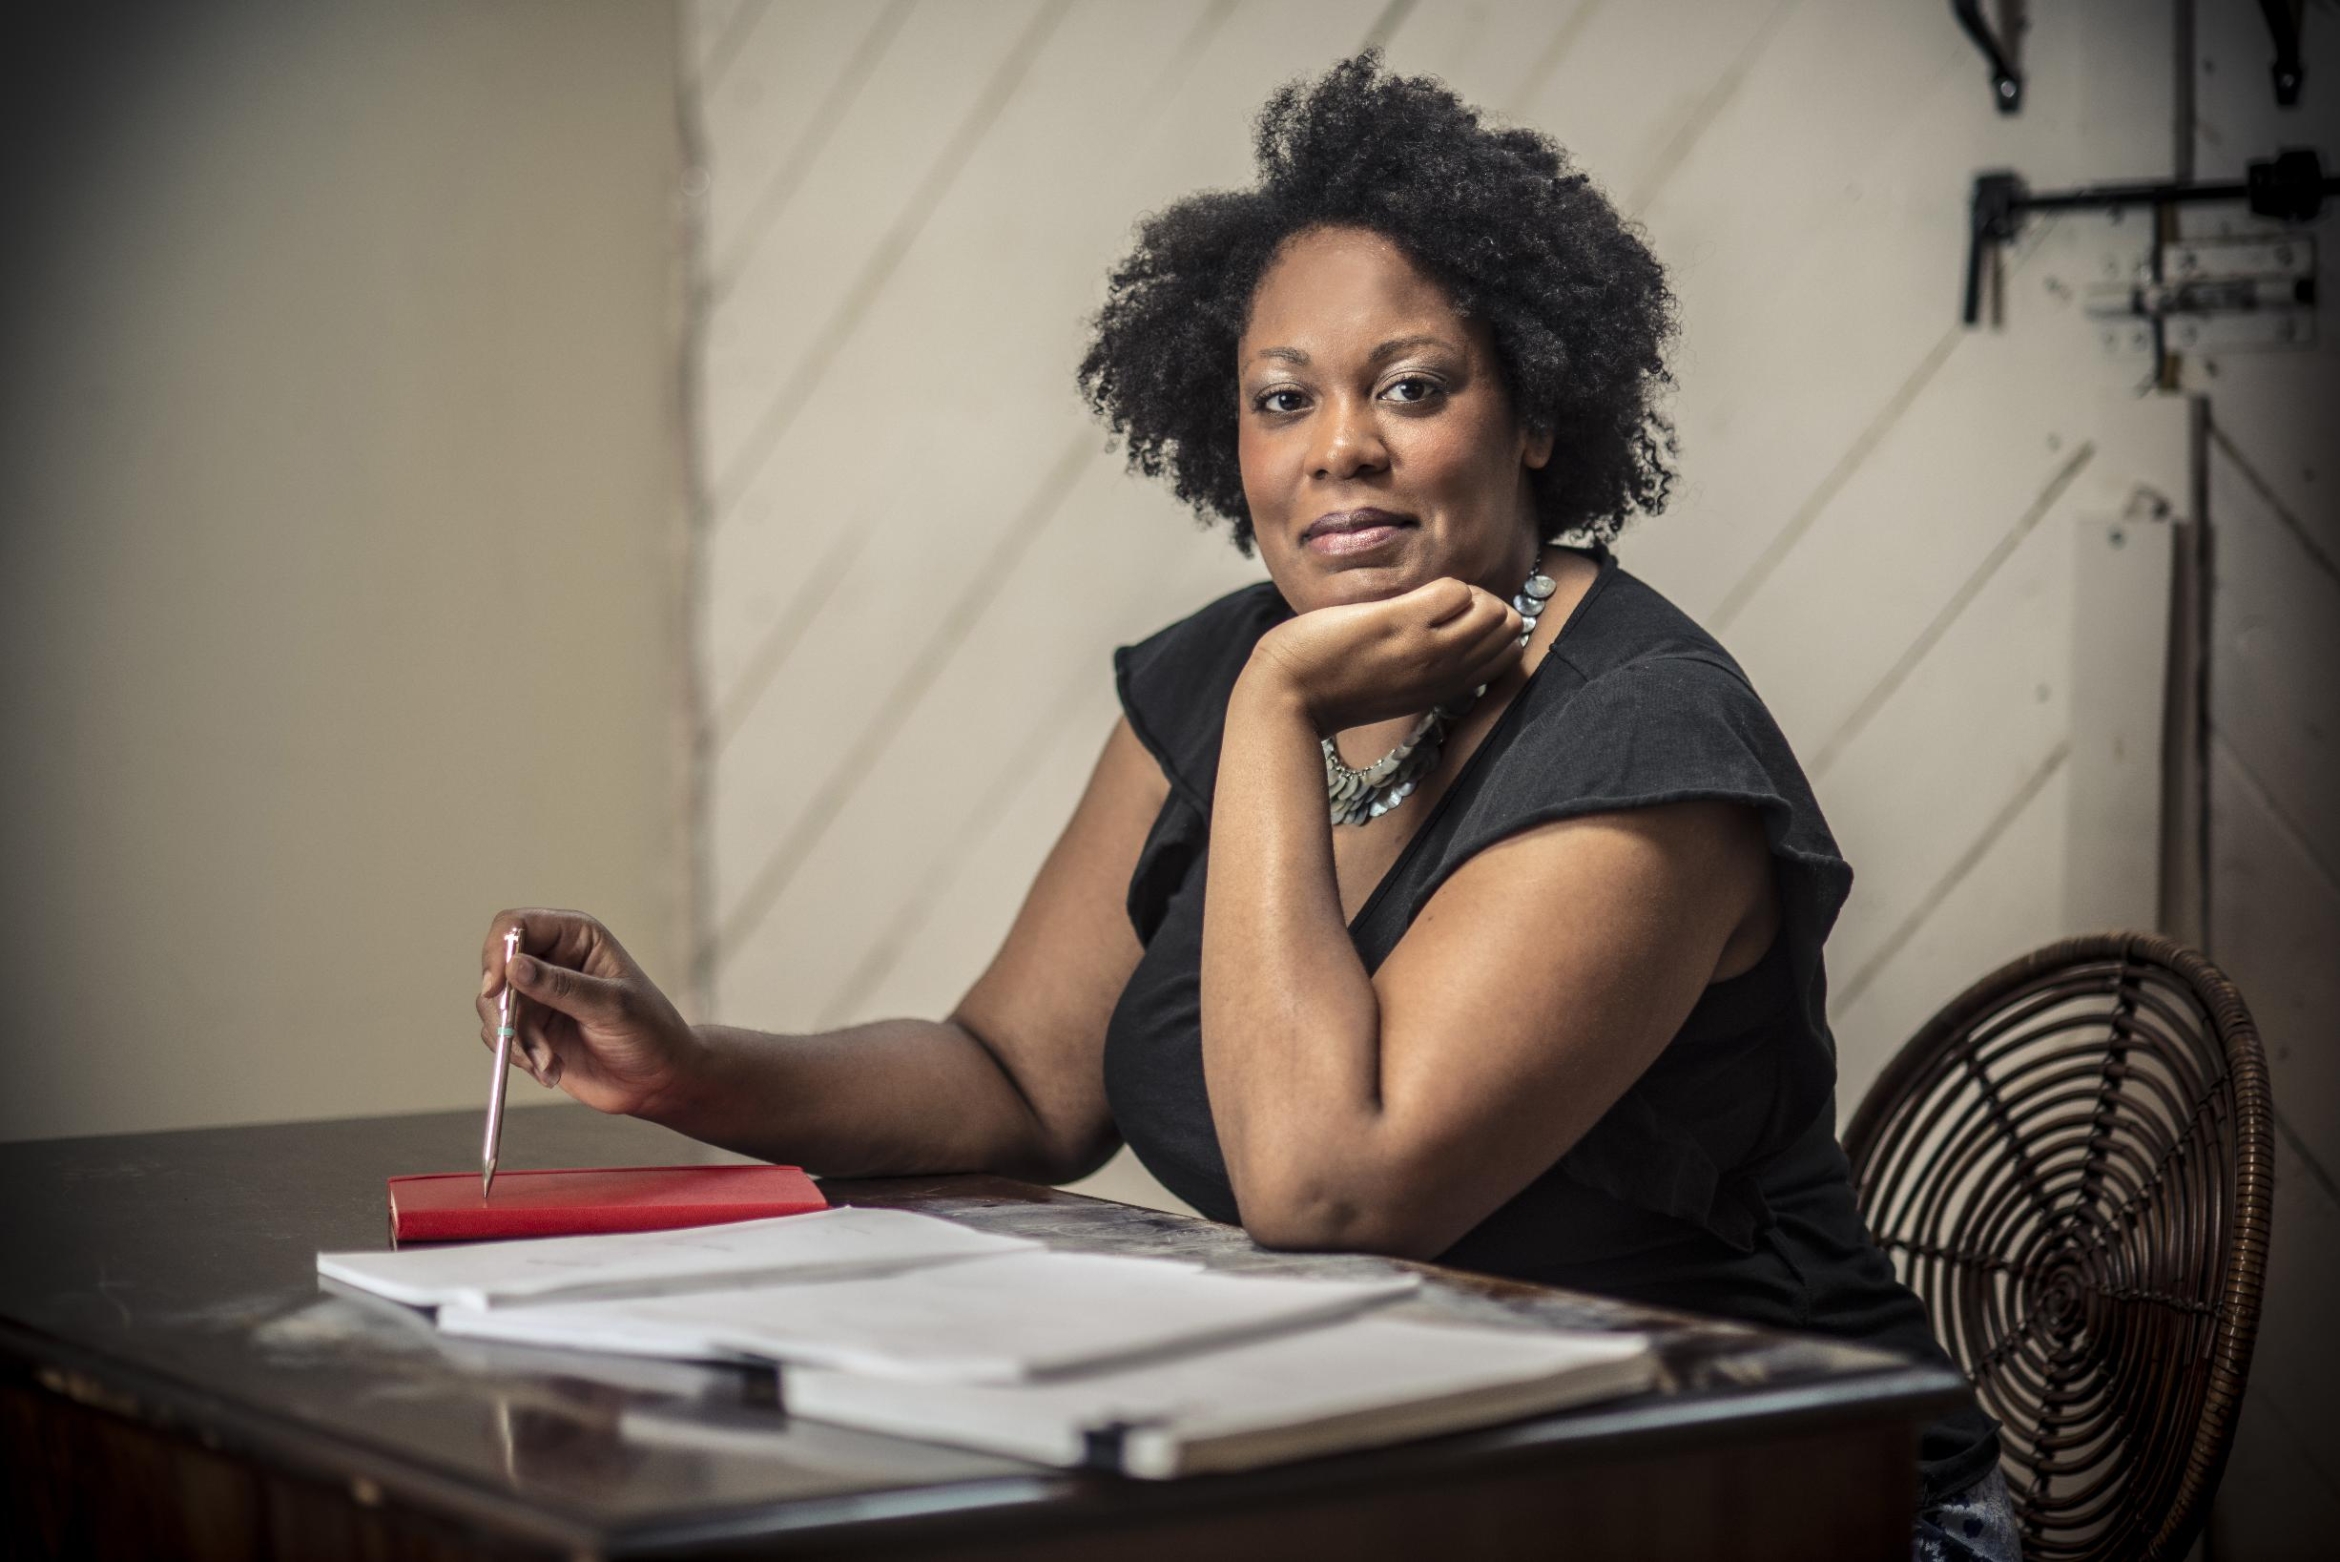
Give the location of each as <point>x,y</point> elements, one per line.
<point>507,1031</point>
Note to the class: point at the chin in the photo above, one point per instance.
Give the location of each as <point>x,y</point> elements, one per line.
<point>1338,582</point>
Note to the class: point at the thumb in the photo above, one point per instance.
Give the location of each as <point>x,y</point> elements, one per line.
<point>575,994</point>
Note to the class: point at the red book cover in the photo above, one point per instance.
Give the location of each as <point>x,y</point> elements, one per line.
<point>446,1206</point>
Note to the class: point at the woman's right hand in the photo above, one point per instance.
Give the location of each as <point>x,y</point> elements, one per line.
<point>1368,661</point>
<point>590,1021</point>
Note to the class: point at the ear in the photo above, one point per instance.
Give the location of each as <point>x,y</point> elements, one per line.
<point>1535,447</point>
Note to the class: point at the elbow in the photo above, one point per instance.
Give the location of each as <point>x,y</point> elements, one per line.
<point>1305,1217</point>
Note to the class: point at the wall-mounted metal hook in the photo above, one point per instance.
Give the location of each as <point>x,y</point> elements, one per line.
<point>1992,220</point>
<point>2006,80</point>
<point>2290,187</point>
<point>2283,21</point>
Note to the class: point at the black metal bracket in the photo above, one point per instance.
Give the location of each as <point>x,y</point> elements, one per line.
<point>2289,187</point>
<point>2006,80</point>
<point>2283,21</point>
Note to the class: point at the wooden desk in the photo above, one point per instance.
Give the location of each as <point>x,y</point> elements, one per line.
<point>174,1383</point>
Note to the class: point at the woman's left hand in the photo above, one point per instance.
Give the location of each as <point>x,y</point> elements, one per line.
<point>1370,661</point>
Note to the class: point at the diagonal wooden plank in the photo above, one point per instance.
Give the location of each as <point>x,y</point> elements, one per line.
<point>804,604</point>
<point>1972,721</point>
<point>724,27</point>
<point>892,134</point>
<point>997,795</point>
<point>1487,50</point>
<point>1621,95</point>
<point>1808,234</point>
<point>1994,913</point>
<point>1968,589</point>
<point>768,652</point>
<point>1941,889</point>
<point>765,433</point>
<point>1392,17</point>
<point>1709,108</point>
<point>2309,544</point>
<point>1551,58</point>
<point>2274,646</point>
<point>948,628</point>
<point>769,102</point>
<point>844,85</point>
<point>1864,444</point>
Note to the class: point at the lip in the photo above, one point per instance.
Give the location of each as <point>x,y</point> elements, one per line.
<point>1353,531</point>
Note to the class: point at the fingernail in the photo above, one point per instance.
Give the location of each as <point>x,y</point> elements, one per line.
<point>487,981</point>
<point>523,968</point>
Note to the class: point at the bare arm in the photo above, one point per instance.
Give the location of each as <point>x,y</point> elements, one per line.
<point>1011,1082</point>
<point>1395,1111</point>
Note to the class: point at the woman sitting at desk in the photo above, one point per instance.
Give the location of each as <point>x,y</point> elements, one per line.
<point>1449,894</point>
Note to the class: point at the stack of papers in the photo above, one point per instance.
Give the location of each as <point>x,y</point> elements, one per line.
<point>650,1263</point>
<point>986,1320</point>
<point>1353,1384</point>
<point>909,1325</point>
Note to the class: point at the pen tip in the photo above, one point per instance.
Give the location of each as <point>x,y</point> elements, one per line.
<point>487,1180</point>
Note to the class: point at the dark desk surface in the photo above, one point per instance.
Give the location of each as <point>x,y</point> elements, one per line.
<point>169,1279</point>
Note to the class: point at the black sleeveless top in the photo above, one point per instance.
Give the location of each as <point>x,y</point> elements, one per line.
<point>1714,1184</point>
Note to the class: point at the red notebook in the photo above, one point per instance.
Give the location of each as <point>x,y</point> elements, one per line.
<point>446,1206</point>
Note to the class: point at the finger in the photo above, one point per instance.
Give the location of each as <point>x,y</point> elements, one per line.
<point>535,1042</point>
<point>1497,639</point>
<point>489,1006</point>
<point>563,937</point>
<point>1443,601</point>
<point>1480,621</point>
<point>1497,660</point>
<point>520,1057</point>
<point>574,993</point>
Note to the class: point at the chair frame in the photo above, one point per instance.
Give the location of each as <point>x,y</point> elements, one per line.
<point>1940,1059</point>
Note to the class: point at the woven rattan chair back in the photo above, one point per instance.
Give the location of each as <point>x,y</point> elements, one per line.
<point>2072,1165</point>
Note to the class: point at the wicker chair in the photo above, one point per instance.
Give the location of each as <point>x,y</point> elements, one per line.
<point>2072,1165</point>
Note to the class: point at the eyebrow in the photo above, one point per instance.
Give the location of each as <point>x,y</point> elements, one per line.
<point>1388,349</point>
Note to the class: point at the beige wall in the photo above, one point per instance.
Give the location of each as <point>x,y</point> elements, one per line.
<point>339,583</point>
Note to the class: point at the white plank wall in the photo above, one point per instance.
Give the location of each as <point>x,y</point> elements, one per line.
<point>2273,484</point>
<point>919,553</point>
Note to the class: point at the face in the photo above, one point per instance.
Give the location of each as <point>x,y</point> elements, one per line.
<point>1378,444</point>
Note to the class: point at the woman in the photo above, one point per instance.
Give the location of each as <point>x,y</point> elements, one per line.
<point>1448,894</point>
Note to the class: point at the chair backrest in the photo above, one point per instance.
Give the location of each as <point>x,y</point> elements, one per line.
<point>2072,1164</point>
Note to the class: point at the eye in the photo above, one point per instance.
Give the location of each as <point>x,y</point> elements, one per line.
<point>1266,401</point>
<point>1422,388</point>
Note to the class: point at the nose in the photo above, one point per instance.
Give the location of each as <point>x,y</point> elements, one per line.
<point>1348,441</point>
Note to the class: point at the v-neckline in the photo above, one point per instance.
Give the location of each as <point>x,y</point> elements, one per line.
<point>1606,561</point>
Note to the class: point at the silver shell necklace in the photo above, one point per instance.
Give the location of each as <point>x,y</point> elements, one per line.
<point>1367,792</point>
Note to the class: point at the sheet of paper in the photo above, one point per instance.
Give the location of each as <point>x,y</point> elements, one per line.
<point>1357,1383</point>
<point>1001,1319</point>
<point>540,1269</point>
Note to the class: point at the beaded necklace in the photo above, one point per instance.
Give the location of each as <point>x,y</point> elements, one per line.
<point>1367,792</point>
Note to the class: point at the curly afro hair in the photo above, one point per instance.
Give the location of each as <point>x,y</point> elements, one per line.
<point>1578,306</point>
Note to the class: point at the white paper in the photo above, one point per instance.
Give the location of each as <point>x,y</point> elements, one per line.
<point>1358,1383</point>
<point>991,1320</point>
<point>536,1270</point>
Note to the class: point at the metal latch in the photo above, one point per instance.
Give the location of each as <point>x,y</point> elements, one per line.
<point>2215,296</point>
